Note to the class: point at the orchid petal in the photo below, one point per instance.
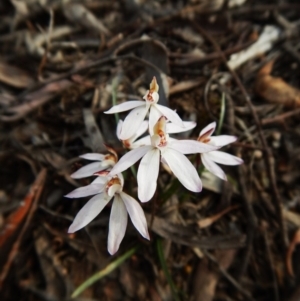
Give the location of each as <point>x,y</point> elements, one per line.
<point>88,212</point>
<point>224,158</point>
<point>170,114</point>
<point>129,159</point>
<point>147,175</point>
<point>154,115</point>
<point>163,161</point>
<point>211,127</point>
<point>213,167</point>
<point>87,170</point>
<point>172,128</point>
<point>142,129</point>
<point>143,141</point>
<point>117,225</point>
<point>222,140</point>
<point>136,214</point>
<point>93,156</point>
<point>125,106</point>
<point>100,180</point>
<point>183,169</point>
<point>119,128</point>
<point>132,122</point>
<point>85,191</point>
<point>190,146</point>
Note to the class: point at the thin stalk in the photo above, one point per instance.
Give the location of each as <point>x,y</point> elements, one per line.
<point>133,170</point>
<point>171,190</point>
<point>115,83</point>
<point>99,275</point>
<point>165,269</point>
<point>222,115</point>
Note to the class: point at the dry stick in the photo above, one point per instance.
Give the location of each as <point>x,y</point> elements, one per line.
<point>189,59</point>
<point>226,275</point>
<point>48,43</point>
<point>247,146</point>
<point>251,218</point>
<point>75,70</point>
<point>85,67</point>
<point>271,261</point>
<point>35,191</point>
<point>246,9</point>
<point>251,223</point>
<point>263,8</point>
<point>214,77</point>
<point>281,117</point>
<point>268,153</point>
<point>288,47</point>
<point>247,202</point>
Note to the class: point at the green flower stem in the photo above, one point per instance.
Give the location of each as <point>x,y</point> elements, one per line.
<point>165,269</point>
<point>133,170</point>
<point>115,83</point>
<point>222,115</point>
<point>107,270</point>
<point>171,190</point>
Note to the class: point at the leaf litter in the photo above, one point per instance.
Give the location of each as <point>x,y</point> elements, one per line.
<point>61,65</point>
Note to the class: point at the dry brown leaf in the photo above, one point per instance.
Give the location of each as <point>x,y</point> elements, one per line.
<point>275,89</point>
<point>14,76</point>
<point>296,295</point>
<point>187,236</point>
<point>26,213</point>
<point>79,14</point>
<point>206,277</point>
<point>53,271</point>
<point>290,251</point>
<point>210,220</point>
<point>155,56</point>
<point>35,43</point>
<point>156,53</point>
<point>94,139</point>
<point>35,100</point>
<point>188,35</point>
<point>185,85</point>
<point>292,217</point>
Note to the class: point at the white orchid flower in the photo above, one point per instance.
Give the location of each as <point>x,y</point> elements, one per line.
<point>103,162</point>
<point>140,109</point>
<point>171,128</point>
<point>210,159</point>
<point>131,142</point>
<point>169,151</point>
<point>106,188</point>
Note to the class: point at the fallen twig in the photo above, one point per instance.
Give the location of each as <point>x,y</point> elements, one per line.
<point>31,200</point>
